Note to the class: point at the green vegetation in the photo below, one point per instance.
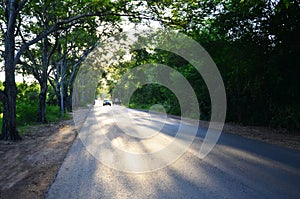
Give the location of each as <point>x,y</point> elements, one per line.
<point>27,106</point>
<point>151,94</point>
<point>255,45</point>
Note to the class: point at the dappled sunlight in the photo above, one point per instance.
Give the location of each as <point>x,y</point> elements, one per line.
<point>134,123</point>
<point>117,142</point>
<point>108,142</point>
<point>186,175</point>
<point>134,144</point>
<point>171,180</point>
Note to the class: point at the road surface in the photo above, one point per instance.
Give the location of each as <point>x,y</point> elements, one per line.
<point>236,168</point>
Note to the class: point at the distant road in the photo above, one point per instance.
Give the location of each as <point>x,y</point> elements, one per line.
<point>236,168</point>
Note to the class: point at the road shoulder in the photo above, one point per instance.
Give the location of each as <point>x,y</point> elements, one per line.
<point>30,166</point>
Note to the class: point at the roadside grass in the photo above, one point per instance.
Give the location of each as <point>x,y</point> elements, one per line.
<point>27,107</point>
<point>27,116</point>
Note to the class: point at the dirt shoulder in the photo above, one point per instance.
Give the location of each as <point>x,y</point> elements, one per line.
<point>28,167</point>
<point>279,137</point>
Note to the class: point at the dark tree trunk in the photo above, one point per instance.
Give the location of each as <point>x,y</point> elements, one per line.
<point>9,95</point>
<point>41,115</point>
<point>69,100</point>
<point>56,87</point>
<point>43,81</point>
<point>9,123</point>
<point>68,103</point>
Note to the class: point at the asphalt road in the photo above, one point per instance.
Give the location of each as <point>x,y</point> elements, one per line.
<point>113,158</point>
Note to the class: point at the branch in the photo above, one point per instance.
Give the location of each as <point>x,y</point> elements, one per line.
<point>40,15</point>
<point>2,29</point>
<point>59,25</point>
<point>22,4</point>
<point>82,58</point>
<point>26,45</point>
<point>31,70</point>
<point>52,84</point>
<point>31,57</point>
<point>62,56</point>
<point>19,26</point>
<point>53,49</point>
<point>51,69</point>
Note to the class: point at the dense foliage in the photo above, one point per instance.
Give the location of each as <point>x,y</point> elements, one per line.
<point>255,45</point>
<point>27,105</point>
<point>258,55</point>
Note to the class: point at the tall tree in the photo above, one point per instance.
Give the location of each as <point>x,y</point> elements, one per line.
<point>9,95</point>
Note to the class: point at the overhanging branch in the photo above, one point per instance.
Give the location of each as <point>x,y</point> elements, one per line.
<point>60,25</point>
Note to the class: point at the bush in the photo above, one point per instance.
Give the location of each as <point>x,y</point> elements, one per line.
<point>26,113</point>
<point>287,117</point>
<point>27,106</point>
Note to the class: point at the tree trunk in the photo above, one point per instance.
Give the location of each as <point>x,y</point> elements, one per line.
<point>9,95</point>
<point>41,115</point>
<point>69,100</point>
<point>62,106</point>
<point>9,123</point>
<point>63,85</point>
<point>56,87</point>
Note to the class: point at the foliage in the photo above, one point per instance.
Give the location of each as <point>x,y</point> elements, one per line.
<point>259,62</point>
<point>255,45</point>
<point>27,105</point>
<point>151,94</point>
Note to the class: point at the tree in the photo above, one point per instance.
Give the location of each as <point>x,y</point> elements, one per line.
<point>9,95</point>
<point>75,45</point>
<point>39,60</point>
<point>12,16</point>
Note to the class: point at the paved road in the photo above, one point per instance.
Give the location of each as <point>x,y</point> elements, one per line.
<point>236,168</point>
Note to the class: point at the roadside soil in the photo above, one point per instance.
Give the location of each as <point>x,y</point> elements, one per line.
<point>28,167</point>
<point>279,137</point>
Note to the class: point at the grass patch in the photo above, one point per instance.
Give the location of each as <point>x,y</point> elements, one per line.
<point>27,116</point>
<point>54,114</point>
<point>27,107</point>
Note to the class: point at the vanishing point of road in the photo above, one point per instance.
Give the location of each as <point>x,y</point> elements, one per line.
<point>236,168</point>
